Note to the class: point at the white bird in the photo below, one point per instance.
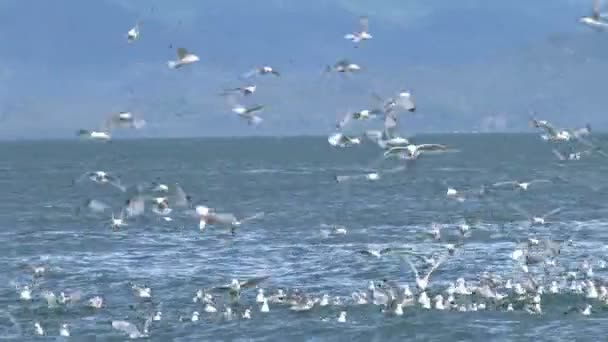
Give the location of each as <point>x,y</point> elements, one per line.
<point>423,282</point>
<point>362,34</point>
<point>264,308</point>
<point>124,120</point>
<point>362,115</point>
<point>118,222</point>
<point>25,293</point>
<point>247,314</point>
<point>38,328</point>
<point>520,185</point>
<point>130,329</point>
<point>184,57</point>
<point>259,298</point>
<point>94,135</point>
<point>338,139</point>
<point>142,291</point>
<point>235,286</point>
<point>133,33</point>
<point>95,302</point>
<point>378,253</point>
<point>101,177</point>
<point>195,316</point>
<point>535,220</point>
<point>342,317</point>
<point>552,134</point>
<point>413,151</point>
<point>595,20</point>
<point>244,90</point>
<point>264,70</point>
<point>343,66</point>
<point>64,330</point>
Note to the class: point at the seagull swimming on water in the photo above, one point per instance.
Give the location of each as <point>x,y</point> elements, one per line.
<point>362,34</point>
<point>520,185</point>
<point>131,330</point>
<point>184,57</point>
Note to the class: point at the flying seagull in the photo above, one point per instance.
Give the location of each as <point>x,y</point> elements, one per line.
<point>596,20</point>
<point>362,34</point>
<point>264,70</point>
<point>133,33</point>
<point>183,58</point>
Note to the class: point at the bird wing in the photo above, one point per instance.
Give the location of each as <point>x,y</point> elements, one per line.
<point>135,206</point>
<point>595,11</point>
<point>552,212</point>
<point>536,181</point>
<point>346,119</point>
<point>126,327</point>
<point>222,218</point>
<point>406,102</point>
<point>181,53</point>
<point>520,210</point>
<point>395,149</point>
<point>499,184</point>
<point>253,217</point>
<point>558,154</point>
<point>181,198</point>
<point>437,264</point>
<point>364,23</point>
<point>254,109</point>
<point>432,147</point>
<point>412,267</point>
<point>252,282</point>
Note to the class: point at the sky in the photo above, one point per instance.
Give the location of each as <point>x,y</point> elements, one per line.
<point>472,65</point>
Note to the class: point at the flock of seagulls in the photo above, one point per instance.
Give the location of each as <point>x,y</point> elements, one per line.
<point>224,302</point>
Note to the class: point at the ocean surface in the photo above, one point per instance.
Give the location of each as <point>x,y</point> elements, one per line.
<point>292,180</point>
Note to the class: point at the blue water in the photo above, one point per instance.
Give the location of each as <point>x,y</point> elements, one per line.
<point>292,181</point>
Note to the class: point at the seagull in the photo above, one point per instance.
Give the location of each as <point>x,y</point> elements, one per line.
<point>208,217</point>
<point>375,252</point>
<point>124,120</point>
<point>130,329</point>
<point>338,139</point>
<point>362,115</point>
<point>64,330</point>
<point>244,90</point>
<point>118,222</point>
<point>39,330</point>
<point>521,185</point>
<point>94,135</point>
<point>422,283</point>
<point>552,134</point>
<point>343,66</point>
<point>536,220</point>
<point>413,151</point>
<point>235,287</point>
<point>183,58</point>
<point>363,33</point>
<point>95,302</point>
<point>101,177</point>
<point>248,113</point>
<point>403,100</point>
<point>264,70</point>
<point>133,33</point>
<point>595,20</point>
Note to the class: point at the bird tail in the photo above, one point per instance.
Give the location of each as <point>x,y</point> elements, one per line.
<point>172,64</point>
